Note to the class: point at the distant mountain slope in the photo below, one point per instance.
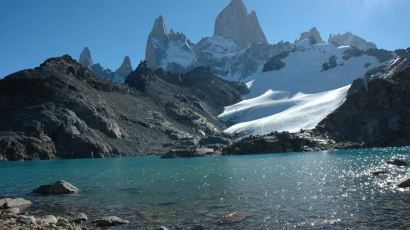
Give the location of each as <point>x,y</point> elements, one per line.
<point>292,86</point>
<point>61,110</point>
<point>237,50</point>
<point>101,72</point>
<point>374,114</point>
<point>298,89</point>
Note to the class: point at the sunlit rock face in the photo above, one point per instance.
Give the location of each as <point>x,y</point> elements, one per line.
<point>312,35</point>
<point>168,50</point>
<point>349,39</point>
<point>235,24</point>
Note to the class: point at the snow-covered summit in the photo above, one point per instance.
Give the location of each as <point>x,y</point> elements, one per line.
<point>168,49</point>
<point>310,84</point>
<point>292,86</point>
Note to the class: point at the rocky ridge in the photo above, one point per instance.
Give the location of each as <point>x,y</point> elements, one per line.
<point>237,49</point>
<point>349,39</point>
<point>312,35</point>
<point>70,113</point>
<point>118,76</point>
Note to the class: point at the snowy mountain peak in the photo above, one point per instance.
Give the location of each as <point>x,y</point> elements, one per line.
<point>159,29</point>
<point>349,39</point>
<point>171,51</point>
<point>313,36</point>
<point>85,58</point>
<point>235,24</point>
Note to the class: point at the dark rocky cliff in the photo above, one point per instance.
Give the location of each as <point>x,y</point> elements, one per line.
<point>377,108</point>
<point>60,110</point>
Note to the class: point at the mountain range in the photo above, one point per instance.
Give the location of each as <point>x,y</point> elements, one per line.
<point>230,93</point>
<point>293,85</point>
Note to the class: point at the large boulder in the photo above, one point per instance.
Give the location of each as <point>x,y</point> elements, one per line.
<point>59,188</point>
<point>235,217</point>
<point>397,162</point>
<point>79,218</point>
<point>47,220</point>
<point>404,183</point>
<point>109,221</point>
<point>14,206</point>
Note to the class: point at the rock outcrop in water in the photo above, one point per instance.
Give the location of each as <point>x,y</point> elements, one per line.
<point>59,188</point>
<point>404,183</point>
<point>61,110</point>
<point>109,221</point>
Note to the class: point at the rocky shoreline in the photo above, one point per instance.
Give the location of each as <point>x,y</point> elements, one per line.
<point>14,213</point>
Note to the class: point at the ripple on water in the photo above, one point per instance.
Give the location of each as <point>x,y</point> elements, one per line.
<point>300,190</point>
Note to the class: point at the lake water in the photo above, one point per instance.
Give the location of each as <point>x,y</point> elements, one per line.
<point>279,191</point>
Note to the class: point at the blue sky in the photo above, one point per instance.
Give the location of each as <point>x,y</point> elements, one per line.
<point>33,30</point>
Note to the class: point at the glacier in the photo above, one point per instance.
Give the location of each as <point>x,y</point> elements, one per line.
<point>299,95</point>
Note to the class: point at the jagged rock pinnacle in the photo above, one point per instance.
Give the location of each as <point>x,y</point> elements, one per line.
<point>85,58</point>
<point>159,29</point>
<point>349,39</point>
<point>313,35</point>
<point>235,24</point>
<point>125,69</point>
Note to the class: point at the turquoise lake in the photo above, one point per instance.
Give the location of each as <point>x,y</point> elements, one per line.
<point>280,191</point>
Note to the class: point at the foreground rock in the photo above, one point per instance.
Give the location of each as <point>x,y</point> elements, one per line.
<point>397,162</point>
<point>404,183</point>
<point>59,188</point>
<point>80,217</point>
<point>235,217</point>
<point>378,173</point>
<point>14,206</point>
<point>48,220</point>
<point>110,221</point>
<point>26,221</point>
